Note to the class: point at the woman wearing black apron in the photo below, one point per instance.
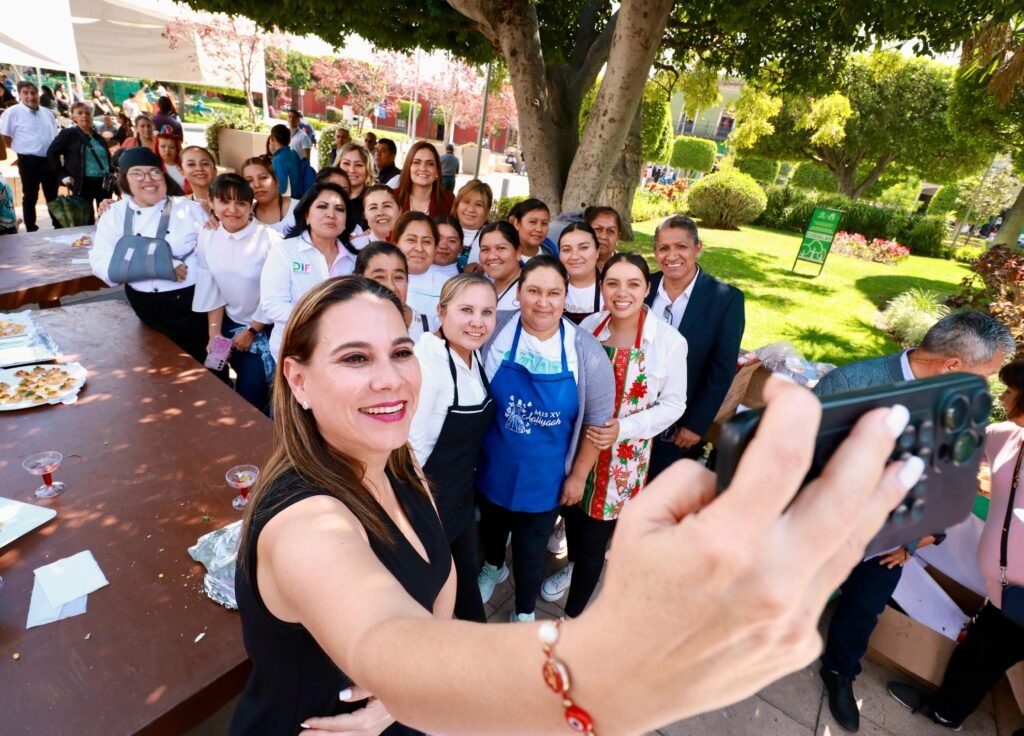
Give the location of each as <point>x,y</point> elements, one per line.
<point>452,415</point>
<point>577,250</point>
<point>499,257</point>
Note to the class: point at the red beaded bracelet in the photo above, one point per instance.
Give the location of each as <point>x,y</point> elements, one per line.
<point>556,677</point>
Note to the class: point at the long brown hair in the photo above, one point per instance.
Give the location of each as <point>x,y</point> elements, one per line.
<point>438,194</point>
<point>298,445</point>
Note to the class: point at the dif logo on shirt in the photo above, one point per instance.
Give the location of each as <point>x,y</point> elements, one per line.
<point>298,267</point>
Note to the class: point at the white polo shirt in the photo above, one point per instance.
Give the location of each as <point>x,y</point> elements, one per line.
<point>31,131</point>
<point>229,269</point>
<point>292,268</point>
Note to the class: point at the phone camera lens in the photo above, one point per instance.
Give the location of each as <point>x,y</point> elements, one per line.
<point>954,416</point>
<point>964,447</point>
<point>981,409</point>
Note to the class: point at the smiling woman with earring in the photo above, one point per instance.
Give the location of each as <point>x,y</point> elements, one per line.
<point>453,413</point>
<point>419,185</point>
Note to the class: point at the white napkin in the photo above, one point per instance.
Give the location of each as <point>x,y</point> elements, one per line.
<point>41,612</point>
<point>73,577</point>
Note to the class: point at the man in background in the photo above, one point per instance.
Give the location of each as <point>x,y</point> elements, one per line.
<point>29,130</point>
<point>370,141</point>
<point>301,143</point>
<point>384,156</point>
<point>342,138</point>
<point>450,166</point>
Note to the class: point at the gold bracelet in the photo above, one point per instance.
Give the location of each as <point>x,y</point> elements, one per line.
<point>556,677</point>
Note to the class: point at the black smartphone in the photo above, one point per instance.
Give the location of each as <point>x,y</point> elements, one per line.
<point>948,416</point>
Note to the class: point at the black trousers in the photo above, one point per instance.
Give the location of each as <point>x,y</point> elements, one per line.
<point>530,532</point>
<point>36,172</point>
<point>863,597</point>
<point>993,644</point>
<point>665,453</point>
<point>92,191</point>
<point>587,540</point>
<point>465,556</point>
<point>170,312</point>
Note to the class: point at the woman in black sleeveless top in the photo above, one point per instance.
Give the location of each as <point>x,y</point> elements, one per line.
<point>345,580</point>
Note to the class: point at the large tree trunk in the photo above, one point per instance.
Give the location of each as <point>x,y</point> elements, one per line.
<point>637,36</point>
<point>874,175</point>
<point>625,177</point>
<point>1013,223</point>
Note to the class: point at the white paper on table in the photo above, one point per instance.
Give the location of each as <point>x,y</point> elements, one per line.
<point>79,261</point>
<point>65,580</point>
<point>41,612</point>
<point>957,557</point>
<point>924,600</point>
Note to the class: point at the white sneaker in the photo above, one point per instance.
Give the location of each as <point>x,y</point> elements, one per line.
<point>556,542</point>
<point>556,585</point>
<point>522,618</point>
<point>489,577</point>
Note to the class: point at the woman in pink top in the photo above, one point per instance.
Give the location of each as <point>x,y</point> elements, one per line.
<point>994,643</point>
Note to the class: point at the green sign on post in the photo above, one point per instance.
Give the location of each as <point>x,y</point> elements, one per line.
<point>817,242</point>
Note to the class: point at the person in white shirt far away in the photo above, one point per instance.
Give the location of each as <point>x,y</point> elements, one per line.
<point>230,261</point>
<point>300,142</point>
<point>28,130</point>
<point>313,252</point>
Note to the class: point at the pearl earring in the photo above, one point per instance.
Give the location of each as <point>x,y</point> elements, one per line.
<point>305,405</point>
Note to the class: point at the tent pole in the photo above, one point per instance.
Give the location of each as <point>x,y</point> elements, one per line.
<point>39,79</point>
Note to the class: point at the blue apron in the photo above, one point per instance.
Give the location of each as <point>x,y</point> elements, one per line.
<point>523,461</point>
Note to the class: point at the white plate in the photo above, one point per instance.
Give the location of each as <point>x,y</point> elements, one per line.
<point>21,318</point>
<point>17,519</point>
<point>76,370</point>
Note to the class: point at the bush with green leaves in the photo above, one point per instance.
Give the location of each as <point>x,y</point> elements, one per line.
<point>926,237</point>
<point>944,200</point>
<point>650,204</point>
<point>911,314</point>
<point>761,169</point>
<point>693,154</point>
<point>656,125</point>
<point>811,175</point>
<point>902,195</point>
<point>727,200</point>
<point>968,253</point>
<point>502,206</point>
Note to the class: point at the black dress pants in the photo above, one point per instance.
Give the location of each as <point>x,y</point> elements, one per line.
<point>466,559</point>
<point>35,172</point>
<point>170,312</point>
<point>92,191</point>
<point>665,453</point>
<point>586,539</point>
<point>530,532</point>
<point>994,643</point>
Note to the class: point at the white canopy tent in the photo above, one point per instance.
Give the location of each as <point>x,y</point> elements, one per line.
<point>25,41</point>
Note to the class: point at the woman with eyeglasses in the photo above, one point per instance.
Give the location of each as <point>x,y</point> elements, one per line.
<point>153,207</point>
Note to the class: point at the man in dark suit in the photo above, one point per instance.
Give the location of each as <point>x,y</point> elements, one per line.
<point>969,342</point>
<point>709,314</point>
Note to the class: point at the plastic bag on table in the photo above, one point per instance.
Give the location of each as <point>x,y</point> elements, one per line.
<point>783,357</point>
<point>217,552</point>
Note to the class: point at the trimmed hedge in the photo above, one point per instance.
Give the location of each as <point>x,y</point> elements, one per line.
<point>503,205</point>
<point>727,199</point>
<point>927,235</point>
<point>944,200</point>
<point>810,175</point>
<point>761,169</point>
<point>693,154</point>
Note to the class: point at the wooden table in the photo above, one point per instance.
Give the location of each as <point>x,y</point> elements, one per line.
<point>34,270</point>
<point>146,447</point>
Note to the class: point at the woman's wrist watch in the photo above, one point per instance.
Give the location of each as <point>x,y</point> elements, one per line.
<point>251,331</point>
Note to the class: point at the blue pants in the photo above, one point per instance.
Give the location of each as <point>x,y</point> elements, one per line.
<point>863,598</point>
<point>251,382</point>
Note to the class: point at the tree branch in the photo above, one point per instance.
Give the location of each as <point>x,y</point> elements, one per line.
<point>874,175</point>
<point>597,55</point>
<point>585,32</point>
<point>477,11</point>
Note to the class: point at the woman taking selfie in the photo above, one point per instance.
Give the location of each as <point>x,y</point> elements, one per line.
<point>453,413</point>
<point>499,257</point>
<point>384,263</point>
<point>420,188</point>
<point>551,383</point>
<point>449,245</point>
<point>230,261</point>
<point>148,213</point>
<point>313,251</point>
<point>649,362</point>
<point>577,250</point>
<point>344,579</point>
<point>273,209</point>
<point>416,235</point>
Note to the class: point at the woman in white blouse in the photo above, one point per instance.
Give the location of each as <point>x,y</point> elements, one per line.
<point>273,209</point>
<point>386,264</point>
<point>453,414</point>
<point>313,252</point>
<point>416,235</point>
<point>380,208</point>
<point>499,257</point>
<point>147,210</point>
<point>578,250</point>
<point>230,260</point>
<point>649,360</point>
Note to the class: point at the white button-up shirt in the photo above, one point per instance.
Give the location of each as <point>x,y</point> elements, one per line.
<point>187,221</point>
<point>31,131</point>
<point>437,392</point>
<point>662,303</point>
<point>425,290</point>
<point>292,268</point>
<point>229,268</point>
<point>665,367</point>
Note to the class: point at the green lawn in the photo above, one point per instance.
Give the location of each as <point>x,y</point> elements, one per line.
<point>831,318</point>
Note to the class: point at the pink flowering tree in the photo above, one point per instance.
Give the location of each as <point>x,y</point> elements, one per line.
<point>278,76</point>
<point>363,85</point>
<point>234,46</point>
<point>455,91</point>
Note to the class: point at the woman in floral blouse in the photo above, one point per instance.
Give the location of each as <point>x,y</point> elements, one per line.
<point>649,361</point>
